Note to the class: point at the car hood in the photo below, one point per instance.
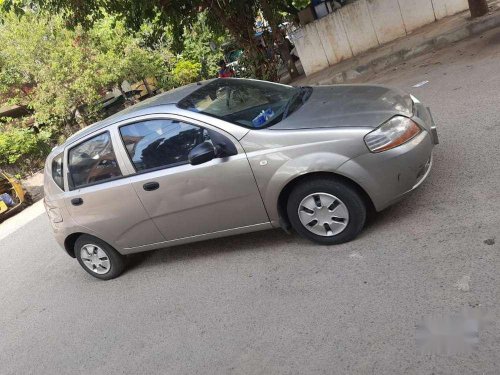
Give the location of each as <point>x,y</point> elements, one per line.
<point>348,106</point>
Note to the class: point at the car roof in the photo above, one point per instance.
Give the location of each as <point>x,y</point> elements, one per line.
<point>169,98</point>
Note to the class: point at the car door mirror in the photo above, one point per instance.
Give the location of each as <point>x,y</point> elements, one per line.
<point>202,153</point>
<point>224,146</point>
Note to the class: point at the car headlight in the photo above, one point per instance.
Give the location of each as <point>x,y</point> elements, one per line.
<point>393,133</point>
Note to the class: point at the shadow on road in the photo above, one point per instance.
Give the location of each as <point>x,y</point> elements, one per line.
<point>266,240</point>
<point>258,241</point>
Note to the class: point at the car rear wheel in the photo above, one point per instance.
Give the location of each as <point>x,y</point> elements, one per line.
<point>326,211</point>
<point>98,258</point>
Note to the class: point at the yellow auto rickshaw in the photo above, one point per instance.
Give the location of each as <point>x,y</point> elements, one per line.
<point>14,195</point>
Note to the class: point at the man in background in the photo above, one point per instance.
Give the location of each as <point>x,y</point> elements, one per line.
<point>225,71</point>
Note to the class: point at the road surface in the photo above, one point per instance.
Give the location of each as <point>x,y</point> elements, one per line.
<point>270,303</point>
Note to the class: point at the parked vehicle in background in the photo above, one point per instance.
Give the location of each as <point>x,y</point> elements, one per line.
<point>13,197</point>
<point>230,156</point>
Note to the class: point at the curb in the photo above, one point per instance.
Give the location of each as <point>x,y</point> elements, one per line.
<point>398,55</point>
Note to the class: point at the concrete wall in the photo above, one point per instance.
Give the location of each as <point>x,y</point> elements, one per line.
<point>387,20</point>
<point>333,37</point>
<point>310,49</point>
<point>416,13</point>
<point>445,8</point>
<point>358,26</point>
<point>365,24</point>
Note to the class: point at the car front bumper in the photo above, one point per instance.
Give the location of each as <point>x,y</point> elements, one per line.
<point>388,176</point>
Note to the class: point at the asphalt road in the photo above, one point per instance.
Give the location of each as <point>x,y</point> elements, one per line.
<point>269,303</point>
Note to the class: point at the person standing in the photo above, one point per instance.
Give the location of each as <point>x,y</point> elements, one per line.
<point>225,71</point>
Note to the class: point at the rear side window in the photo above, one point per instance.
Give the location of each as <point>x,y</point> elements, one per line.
<point>57,171</point>
<point>93,161</point>
<point>156,144</point>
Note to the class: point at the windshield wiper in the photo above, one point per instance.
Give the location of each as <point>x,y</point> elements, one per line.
<point>299,93</point>
<point>303,92</point>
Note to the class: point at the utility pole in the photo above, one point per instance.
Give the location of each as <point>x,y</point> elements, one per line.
<point>478,8</point>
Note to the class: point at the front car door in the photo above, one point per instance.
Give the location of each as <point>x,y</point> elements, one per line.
<point>101,199</point>
<point>187,201</point>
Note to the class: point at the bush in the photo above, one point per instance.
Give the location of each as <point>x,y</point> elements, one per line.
<point>23,148</point>
<point>185,72</point>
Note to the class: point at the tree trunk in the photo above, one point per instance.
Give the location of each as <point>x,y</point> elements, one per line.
<point>241,27</point>
<point>287,59</point>
<point>279,38</point>
<point>478,8</point>
<point>148,89</point>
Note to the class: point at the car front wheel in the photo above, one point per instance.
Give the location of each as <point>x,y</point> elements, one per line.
<point>326,211</point>
<point>98,258</point>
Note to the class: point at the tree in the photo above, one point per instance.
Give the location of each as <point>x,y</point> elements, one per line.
<point>478,8</point>
<point>236,16</point>
<point>271,8</point>
<point>46,68</point>
<point>60,75</point>
<point>197,46</point>
<point>124,56</point>
<point>57,73</point>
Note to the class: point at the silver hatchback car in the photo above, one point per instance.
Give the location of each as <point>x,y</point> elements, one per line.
<point>230,156</point>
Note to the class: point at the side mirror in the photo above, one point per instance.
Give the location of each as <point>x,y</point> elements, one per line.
<point>202,153</point>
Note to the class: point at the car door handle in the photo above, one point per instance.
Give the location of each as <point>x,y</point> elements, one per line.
<point>77,201</point>
<point>150,186</point>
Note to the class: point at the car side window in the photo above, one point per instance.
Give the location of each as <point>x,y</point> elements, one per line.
<point>163,143</point>
<point>57,171</point>
<point>93,161</point>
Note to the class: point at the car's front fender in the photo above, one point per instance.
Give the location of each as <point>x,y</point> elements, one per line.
<point>284,158</point>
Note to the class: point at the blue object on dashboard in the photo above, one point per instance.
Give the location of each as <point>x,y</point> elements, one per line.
<point>263,117</point>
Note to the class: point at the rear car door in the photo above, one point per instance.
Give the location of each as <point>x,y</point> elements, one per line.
<point>101,198</point>
<point>185,200</point>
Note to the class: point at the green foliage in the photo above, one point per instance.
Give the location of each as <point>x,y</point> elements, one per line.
<point>234,16</point>
<point>60,74</point>
<point>23,145</point>
<point>54,71</point>
<point>185,72</point>
<point>299,4</point>
<point>58,57</point>
<point>197,40</point>
<point>43,67</point>
<point>124,56</point>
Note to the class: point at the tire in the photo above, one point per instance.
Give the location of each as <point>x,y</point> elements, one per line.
<point>95,251</point>
<point>340,204</point>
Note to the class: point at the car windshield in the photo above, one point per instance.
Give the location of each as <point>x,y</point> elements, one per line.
<point>249,103</point>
